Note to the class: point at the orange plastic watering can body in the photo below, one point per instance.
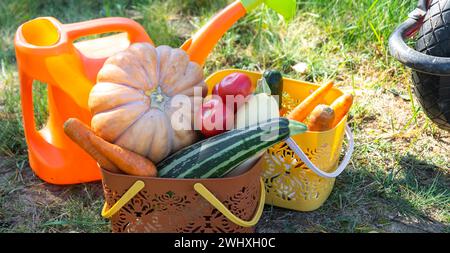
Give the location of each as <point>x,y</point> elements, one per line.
<point>46,52</point>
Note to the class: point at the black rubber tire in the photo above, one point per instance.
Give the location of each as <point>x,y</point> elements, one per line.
<point>433,92</point>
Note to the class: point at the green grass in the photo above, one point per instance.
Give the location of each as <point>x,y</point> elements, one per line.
<point>398,179</point>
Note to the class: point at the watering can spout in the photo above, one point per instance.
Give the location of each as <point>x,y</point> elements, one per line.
<point>202,43</point>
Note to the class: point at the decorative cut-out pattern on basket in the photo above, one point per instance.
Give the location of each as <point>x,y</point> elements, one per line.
<point>289,179</point>
<point>289,103</point>
<point>187,213</point>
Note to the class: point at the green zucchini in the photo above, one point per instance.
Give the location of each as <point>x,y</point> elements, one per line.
<point>275,81</point>
<point>216,156</point>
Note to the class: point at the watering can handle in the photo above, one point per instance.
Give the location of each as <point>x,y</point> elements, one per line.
<point>202,43</point>
<point>136,32</point>
<point>34,138</point>
<point>299,152</point>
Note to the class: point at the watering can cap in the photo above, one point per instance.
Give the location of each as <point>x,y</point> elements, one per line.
<point>286,8</point>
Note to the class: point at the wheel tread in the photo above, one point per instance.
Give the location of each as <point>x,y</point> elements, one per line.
<point>433,92</point>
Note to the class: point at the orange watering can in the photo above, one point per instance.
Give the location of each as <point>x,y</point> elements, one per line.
<point>46,51</point>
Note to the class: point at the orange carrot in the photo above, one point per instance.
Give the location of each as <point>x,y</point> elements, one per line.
<point>306,106</point>
<point>321,118</point>
<point>127,161</point>
<point>71,128</point>
<point>341,106</point>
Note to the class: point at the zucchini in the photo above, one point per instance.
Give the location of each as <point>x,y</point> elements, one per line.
<point>218,155</point>
<point>275,81</point>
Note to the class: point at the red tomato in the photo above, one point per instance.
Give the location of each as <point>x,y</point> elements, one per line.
<point>215,90</point>
<point>235,84</point>
<point>215,118</point>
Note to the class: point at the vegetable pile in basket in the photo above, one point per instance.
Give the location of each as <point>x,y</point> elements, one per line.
<point>321,117</point>
<point>141,125</point>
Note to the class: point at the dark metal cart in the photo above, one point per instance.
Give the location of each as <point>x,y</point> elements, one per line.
<point>430,60</point>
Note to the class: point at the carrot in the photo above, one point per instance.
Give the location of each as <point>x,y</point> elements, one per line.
<point>302,110</point>
<point>71,128</point>
<point>341,106</point>
<point>321,118</point>
<point>127,161</point>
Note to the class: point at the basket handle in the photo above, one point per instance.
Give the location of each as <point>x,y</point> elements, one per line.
<point>202,190</point>
<point>299,152</point>
<point>208,196</point>
<point>129,194</point>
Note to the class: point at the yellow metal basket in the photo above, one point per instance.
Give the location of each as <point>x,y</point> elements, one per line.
<point>299,174</point>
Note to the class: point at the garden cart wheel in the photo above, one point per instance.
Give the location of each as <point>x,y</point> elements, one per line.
<point>430,60</point>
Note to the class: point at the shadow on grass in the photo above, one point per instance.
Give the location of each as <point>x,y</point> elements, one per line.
<point>425,185</point>
<point>406,200</point>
